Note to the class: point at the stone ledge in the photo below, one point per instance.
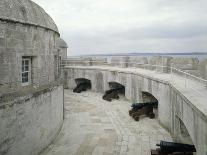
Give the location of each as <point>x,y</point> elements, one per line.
<point>26,93</point>
<point>27,23</point>
<point>118,70</point>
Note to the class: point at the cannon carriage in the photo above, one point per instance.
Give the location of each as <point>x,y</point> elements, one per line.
<point>171,148</point>
<point>82,85</point>
<point>114,91</point>
<point>139,109</point>
<point>111,94</point>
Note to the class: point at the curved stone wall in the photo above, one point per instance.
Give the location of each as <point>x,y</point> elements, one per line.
<point>193,66</point>
<point>194,120</point>
<point>31,121</point>
<point>172,106</point>
<point>31,99</point>
<point>17,41</point>
<point>134,86</point>
<point>26,12</point>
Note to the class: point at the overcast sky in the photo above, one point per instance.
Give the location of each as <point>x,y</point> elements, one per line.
<point>123,26</point>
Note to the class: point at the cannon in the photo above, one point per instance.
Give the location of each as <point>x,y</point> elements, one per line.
<point>171,148</point>
<point>82,86</point>
<point>139,109</point>
<point>79,88</point>
<point>119,87</point>
<point>111,94</point>
<point>136,107</point>
<point>114,91</point>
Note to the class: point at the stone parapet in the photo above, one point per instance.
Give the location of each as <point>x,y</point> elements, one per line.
<point>181,110</point>
<point>163,64</point>
<point>30,120</point>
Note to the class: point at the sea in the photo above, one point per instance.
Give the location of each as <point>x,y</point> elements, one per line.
<point>199,55</point>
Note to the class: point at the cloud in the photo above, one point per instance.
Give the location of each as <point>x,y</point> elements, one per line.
<point>92,26</point>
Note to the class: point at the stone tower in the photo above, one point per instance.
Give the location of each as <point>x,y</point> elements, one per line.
<point>31,94</point>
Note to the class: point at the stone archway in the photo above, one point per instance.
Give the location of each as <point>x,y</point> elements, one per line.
<point>148,97</point>
<point>116,91</point>
<point>82,84</point>
<point>119,86</point>
<point>182,134</point>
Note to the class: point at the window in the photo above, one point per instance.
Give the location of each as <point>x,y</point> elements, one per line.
<point>26,71</point>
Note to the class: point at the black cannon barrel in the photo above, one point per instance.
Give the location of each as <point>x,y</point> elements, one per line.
<point>82,80</point>
<point>110,91</point>
<point>82,86</point>
<point>170,147</point>
<point>138,105</point>
<point>141,105</point>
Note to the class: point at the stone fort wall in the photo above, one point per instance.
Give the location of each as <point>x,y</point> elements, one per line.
<point>31,115</point>
<point>176,112</point>
<point>17,41</point>
<point>30,120</point>
<point>193,66</point>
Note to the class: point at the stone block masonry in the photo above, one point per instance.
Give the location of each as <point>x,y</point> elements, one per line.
<point>181,110</point>
<point>19,41</point>
<point>31,99</point>
<point>30,122</point>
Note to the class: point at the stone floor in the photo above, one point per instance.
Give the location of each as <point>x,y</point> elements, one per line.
<point>93,126</point>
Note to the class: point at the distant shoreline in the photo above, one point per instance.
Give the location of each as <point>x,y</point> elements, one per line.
<point>145,54</point>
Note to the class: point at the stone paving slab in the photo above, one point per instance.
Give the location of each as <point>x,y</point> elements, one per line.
<point>93,126</point>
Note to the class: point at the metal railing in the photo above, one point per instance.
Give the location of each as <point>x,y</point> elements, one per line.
<point>188,79</point>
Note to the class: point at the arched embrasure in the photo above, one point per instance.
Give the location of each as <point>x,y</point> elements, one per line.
<point>82,84</point>
<point>149,98</point>
<point>182,134</point>
<point>116,89</point>
<point>118,86</point>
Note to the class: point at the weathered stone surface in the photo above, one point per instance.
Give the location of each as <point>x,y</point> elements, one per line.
<point>26,12</point>
<point>193,66</point>
<point>19,44</point>
<point>29,123</point>
<point>62,48</point>
<point>30,116</point>
<point>93,126</point>
<point>179,107</point>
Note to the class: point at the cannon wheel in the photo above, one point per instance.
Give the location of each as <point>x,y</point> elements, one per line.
<point>151,115</point>
<point>108,99</point>
<point>133,114</point>
<point>136,118</point>
<point>130,112</point>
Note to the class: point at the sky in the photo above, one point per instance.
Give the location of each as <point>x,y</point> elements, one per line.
<point>130,26</point>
